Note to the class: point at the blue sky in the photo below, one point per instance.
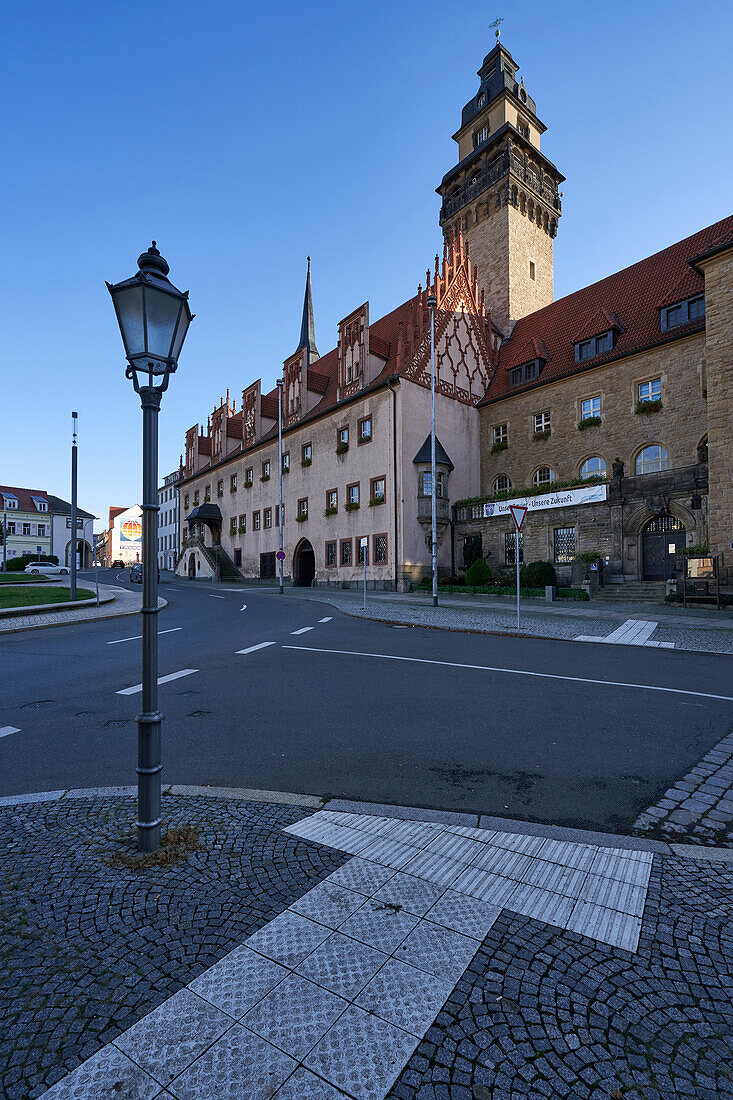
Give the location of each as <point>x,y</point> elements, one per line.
<point>244,137</point>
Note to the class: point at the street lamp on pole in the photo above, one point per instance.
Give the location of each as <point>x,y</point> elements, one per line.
<point>153,317</point>
<point>432,303</point>
<point>73,544</point>
<point>280,468</point>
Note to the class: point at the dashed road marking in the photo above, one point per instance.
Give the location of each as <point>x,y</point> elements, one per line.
<point>326,620</point>
<point>303,630</point>
<point>215,597</point>
<point>138,637</point>
<point>254,648</point>
<point>161,680</point>
<point>5,731</point>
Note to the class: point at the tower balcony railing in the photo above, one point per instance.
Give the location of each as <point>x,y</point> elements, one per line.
<point>497,170</point>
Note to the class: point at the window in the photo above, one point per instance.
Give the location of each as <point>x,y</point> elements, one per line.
<point>480,136</point>
<point>332,500</point>
<point>502,484</point>
<point>427,484</point>
<point>41,505</point>
<point>11,528</point>
<point>268,518</point>
<point>541,422</point>
<point>362,553</point>
<point>286,462</point>
<point>196,498</point>
<point>377,488</point>
<point>342,439</point>
<point>330,555</point>
<point>185,502</point>
<point>248,476</point>
<point>652,460</point>
<point>10,502</point>
<point>242,524</point>
<point>220,488</point>
<point>526,372</point>
<point>651,391</point>
<point>481,101</point>
<point>589,408</point>
<point>233,525</point>
<point>564,544</point>
<point>303,507</point>
<point>531,269</point>
<point>501,434</point>
<point>233,483</point>
<point>380,549</point>
<point>679,314</point>
<point>255,521</point>
<point>524,131</point>
<point>265,470</point>
<point>510,548</point>
<point>346,551</point>
<point>26,528</point>
<point>306,454</point>
<point>544,476</point>
<point>593,467</point>
<point>41,530</point>
<point>352,493</point>
<point>588,349</point>
<point>207,493</point>
<point>365,430</point>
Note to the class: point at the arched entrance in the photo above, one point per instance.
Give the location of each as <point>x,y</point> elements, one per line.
<point>83,554</point>
<point>662,539</point>
<point>304,564</point>
<point>192,567</point>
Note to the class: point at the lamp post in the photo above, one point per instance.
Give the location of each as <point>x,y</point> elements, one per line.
<point>153,317</point>
<point>73,543</point>
<point>432,303</point>
<point>280,468</point>
<point>5,540</point>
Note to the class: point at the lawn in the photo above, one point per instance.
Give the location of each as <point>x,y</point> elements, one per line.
<point>21,578</point>
<point>21,597</point>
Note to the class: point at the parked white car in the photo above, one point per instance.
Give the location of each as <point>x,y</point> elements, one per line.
<point>46,567</point>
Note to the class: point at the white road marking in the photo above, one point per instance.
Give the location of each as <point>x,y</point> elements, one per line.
<point>215,597</point>
<point>5,731</point>
<point>161,680</point>
<point>326,620</point>
<point>515,672</point>
<point>303,630</point>
<point>632,632</point>
<point>137,637</point>
<point>243,607</point>
<point>252,648</point>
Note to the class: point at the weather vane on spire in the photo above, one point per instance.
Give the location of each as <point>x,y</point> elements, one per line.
<point>496,25</point>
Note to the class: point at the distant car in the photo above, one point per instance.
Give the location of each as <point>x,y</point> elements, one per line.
<point>97,563</point>
<point>118,564</point>
<point>46,567</point>
<point>136,573</point>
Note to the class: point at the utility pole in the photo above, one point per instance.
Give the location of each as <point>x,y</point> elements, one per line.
<point>280,471</point>
<point>432,303</point>
<point>5,541</point>
<point>73,544</point>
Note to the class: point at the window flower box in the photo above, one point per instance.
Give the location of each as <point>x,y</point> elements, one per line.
<point>502,445</point>
<point>588,422</point>
<point>647,408</point>
<point>351,506</point>
<point>301,517</point>
<point>342,448</point>
<point>306,462</point>
<point>375,501</point>
<point>330,511</point>
<point>248,484</point>
<point>542,435</point>
<point>265,477</point>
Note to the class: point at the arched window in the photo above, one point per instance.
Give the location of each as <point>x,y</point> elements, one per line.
<point>544,476</point>
<point>652,459</point>
<point>502,484</point>
<point>593,467</point>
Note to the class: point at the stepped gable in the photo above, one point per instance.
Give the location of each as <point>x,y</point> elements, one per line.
<point>633,296</point>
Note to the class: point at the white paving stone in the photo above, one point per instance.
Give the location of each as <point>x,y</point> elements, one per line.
<point>436,869</point>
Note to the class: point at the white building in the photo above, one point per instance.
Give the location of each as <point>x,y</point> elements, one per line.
<point>168,521</point>
<point>124,536</point>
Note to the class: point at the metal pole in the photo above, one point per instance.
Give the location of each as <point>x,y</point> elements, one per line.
<point>516,556</point>
<point>73,544</point>
<point>365,558</point>
<point>432,303</point>
<point>280,468</point>
<point>5,541</point>
<point>96,578</point>
<point>149,764</point>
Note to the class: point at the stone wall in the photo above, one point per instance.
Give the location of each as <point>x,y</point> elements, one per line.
<point>719,355</point>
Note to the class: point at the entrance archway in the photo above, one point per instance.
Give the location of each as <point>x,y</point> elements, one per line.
<point>192,567</point>
<point>662,539</point>
<point>304,564</point>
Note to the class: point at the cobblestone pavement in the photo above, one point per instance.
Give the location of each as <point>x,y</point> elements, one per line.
<point>699,807</point>
<point>707,633</point>
<point>460,999</point>
<point>125,603</point>
<point>87,949</point>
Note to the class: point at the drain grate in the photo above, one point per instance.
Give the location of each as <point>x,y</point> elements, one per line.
<point>116,723</point>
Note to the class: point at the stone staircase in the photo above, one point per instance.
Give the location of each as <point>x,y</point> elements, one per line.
<point>226,570</point>
<point>649,591</point>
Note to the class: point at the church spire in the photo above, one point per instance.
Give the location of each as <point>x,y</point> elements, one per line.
<point>307,327</point>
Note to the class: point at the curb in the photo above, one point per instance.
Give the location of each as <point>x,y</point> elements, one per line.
<point>39,608</point>
<point>75,622</point>
<point>402,813</point>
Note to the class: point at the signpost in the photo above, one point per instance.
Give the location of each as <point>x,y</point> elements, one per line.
<point>364,544</point>
<point>518,511</point>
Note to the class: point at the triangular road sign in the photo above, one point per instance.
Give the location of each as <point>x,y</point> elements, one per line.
<point>518,511</point>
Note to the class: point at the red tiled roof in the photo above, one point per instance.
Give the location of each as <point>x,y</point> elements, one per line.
<point>24,497</point>
<point>114,513</point>
<point>269,404</point>
<point>317,382</point>
<point>204,445</point>
<point>234,426</point>
<point>633,295</point>
<point>377,346</point>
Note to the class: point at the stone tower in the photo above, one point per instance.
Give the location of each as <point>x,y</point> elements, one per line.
<point>505,193</point>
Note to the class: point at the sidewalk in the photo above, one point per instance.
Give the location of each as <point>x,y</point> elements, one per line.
<point>700,630</point>
<point>125,603</point>
<point>356,951</point>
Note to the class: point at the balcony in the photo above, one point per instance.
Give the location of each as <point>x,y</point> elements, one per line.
<point>425,510</point>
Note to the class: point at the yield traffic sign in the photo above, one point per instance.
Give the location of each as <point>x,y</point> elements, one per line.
<point>518,511</point>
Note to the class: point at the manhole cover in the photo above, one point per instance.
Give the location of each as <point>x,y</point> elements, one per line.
<point>39,704</point>
<point>115,723</point>
<point>198,713</point>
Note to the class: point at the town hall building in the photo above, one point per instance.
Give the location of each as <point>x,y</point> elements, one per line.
<point>607,411</point>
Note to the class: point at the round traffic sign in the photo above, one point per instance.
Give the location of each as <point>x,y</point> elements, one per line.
<point>280,555</point>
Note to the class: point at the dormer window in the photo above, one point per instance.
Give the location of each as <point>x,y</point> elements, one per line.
<point>41,505</point>
<point>481,102</point>
<point>525,372</point>
<point>597,345</point>
<point>10,502</point>
<point>692,309</point>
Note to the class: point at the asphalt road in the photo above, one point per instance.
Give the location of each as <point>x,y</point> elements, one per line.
<point>545,730</point>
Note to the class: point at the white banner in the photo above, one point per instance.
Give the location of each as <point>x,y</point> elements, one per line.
<point>564,498</point>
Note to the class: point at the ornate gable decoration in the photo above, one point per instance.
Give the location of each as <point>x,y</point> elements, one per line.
<point>294,370</point>
<point>353,351</point>
<point>251,412</point>
<point>465,348</point>
<point>219,418</point>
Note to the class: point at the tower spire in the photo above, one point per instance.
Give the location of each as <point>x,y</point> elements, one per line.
<point>307,327</point>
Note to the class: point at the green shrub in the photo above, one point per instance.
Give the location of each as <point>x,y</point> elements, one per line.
<point>478,573</point>
<point>538,574</point>
<point>19,564</point>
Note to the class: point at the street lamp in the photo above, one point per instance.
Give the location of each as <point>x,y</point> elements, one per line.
<point>153,317</point>
<point>432,303</point>
<point>280,464</point>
